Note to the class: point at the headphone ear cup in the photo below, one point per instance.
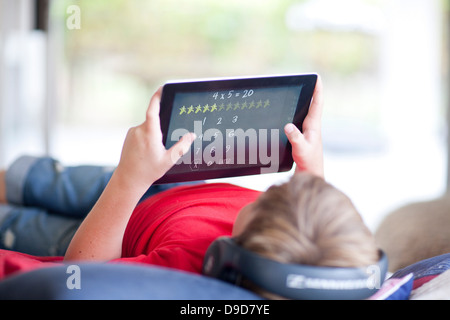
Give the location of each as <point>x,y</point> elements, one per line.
<point>217,262</point>
<point>227,261</point>
<point>211,263</point>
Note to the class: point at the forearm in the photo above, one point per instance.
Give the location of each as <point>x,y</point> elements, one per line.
<point>144,159</point>
<point>100,236</point>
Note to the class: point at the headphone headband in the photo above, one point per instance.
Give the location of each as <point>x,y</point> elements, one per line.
<point>230,262</point>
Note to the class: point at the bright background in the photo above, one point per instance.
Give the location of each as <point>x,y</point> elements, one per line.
<point>73,93</point>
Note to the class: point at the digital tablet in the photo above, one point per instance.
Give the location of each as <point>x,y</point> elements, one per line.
<point>239,124</point>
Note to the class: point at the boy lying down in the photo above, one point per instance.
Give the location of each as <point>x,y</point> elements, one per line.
<point>52,214</point>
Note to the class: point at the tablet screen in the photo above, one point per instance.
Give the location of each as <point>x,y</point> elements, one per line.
<point>238,123</point>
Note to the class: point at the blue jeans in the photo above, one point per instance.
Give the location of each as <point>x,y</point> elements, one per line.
<point>47,202</point>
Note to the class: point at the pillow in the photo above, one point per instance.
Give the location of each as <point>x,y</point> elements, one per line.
<point>395,289</point>
<point>118,282</point>
<point>425,270</point>
<point>436,289</point>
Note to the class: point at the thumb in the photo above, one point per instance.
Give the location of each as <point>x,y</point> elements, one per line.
<point>293,134</point>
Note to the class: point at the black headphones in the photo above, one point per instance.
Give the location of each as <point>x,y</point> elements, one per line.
<point>228,261</point>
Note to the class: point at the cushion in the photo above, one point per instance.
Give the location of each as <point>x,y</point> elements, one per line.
<point>425,270</point>
<point>127,281</point>
<point>395,289</point>
<point>436,289</point>
<point>117,281</point>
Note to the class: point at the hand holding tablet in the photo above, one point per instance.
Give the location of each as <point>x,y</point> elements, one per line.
<point>238,123</point>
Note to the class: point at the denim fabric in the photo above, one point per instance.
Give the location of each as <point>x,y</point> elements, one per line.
<point>45,183</point>
<point>15,178</point>
<point>35,231</point>
<point>5,210</point>
<point>48,202</point>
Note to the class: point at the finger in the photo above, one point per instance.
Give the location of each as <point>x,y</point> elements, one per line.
<point>153,107</point>
<point>181,147</point>
<point>314,116</point>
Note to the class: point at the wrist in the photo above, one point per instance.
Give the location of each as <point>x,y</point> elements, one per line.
<point>128,184</point>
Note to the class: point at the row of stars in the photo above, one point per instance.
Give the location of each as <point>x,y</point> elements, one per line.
<point>221,107</point>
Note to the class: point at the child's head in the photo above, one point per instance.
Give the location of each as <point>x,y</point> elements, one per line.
<point>306,221</point>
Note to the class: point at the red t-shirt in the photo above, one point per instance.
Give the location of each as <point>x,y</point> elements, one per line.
<point>171,229</point>
<point>174,228</point>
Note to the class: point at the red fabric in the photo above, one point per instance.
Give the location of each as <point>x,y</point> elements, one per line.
<point>421,281</point>
<point>12,262</point>
<point>172,229</point>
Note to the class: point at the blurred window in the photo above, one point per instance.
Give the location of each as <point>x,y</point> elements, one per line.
<point>380,60</point>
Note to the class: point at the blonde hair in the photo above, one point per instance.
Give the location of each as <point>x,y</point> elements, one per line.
<point>308,221</point>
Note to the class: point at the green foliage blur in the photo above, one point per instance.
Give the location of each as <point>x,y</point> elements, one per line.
<point>127,48</point>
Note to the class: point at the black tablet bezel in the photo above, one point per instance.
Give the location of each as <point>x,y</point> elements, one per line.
<point>170,89</point>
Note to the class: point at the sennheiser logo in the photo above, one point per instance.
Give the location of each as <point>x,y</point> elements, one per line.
<point>297,281</point>
<point>373,281</point>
